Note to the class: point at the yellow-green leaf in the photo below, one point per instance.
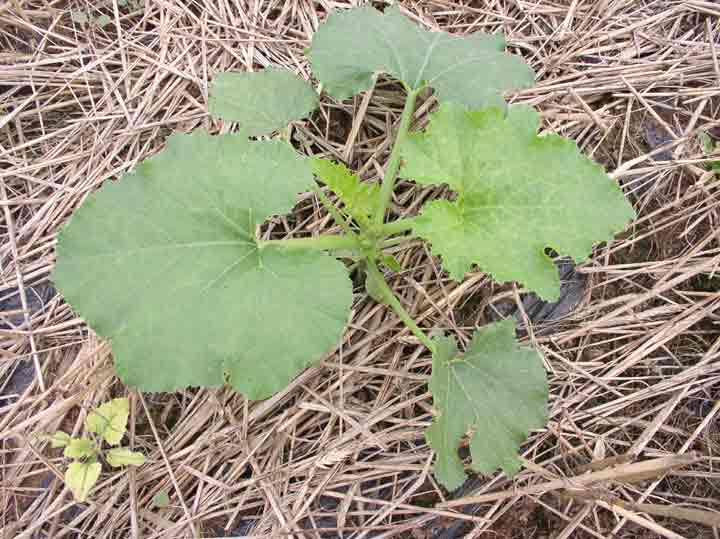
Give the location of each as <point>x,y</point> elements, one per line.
<point>109,420</point>
<point>59,439</point>
<point>80,477</point>
<point>361,199</point>
<point>121,456</point>
<point>78,448</point>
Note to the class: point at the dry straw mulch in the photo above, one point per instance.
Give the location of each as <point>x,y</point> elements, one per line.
<point>634,367</point>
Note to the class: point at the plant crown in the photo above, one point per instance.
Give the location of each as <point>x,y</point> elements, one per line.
<point>167,262</point>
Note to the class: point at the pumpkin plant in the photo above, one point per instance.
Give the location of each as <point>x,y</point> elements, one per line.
<point>168,264</point>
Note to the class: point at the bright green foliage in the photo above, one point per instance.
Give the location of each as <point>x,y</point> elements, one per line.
<point>497,389</point>
<point>109,421</point>
<point>352,46</point>
<point>59,439</point>
<point>80,448</point>
<point>122,456</point>
<point>80,477</point>
<point>261,102</point>
<point>361,199</point>
<point>518,194</point>
<point>164,263</point>
<point>710,147</point>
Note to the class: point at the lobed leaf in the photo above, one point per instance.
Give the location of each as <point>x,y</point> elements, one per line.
<point>497,389</point>
<point>261,101</point>
<point>80,478</point>
<point>122,456</point>
<point>165,264</point>
<point>360,199</point>
<point>518,194</point>
<point>109,420</point>
<point>352,46</point>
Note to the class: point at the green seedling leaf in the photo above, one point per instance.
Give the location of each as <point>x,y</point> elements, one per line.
<point>121,456</point>
<point>59,439</point>
<point>709,146</point>
<point>80,477</point>
<point>165,264</point>
<point>161,499</point>
<point>391,263</point>
<point>109,420</point>
<point>263,101</point>
<point>352,46</point>
<point>707,142</point>
<point>79,17</point>
<point>103,20</point>
<point>518,194</point>
<point>360,199</point>
<point>78,448</point>
<point>497,389</point>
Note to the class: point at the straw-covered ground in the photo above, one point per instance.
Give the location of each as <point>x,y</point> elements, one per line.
<point>632,350</point>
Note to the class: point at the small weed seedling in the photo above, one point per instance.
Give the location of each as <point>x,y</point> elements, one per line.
<point>107,423</point>
<point>168,262</point>
<point>711,148</point>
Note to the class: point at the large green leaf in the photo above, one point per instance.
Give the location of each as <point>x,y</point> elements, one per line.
<point>261,101</point>
<point>496,389</point>
<point>350,47</point>
<point>165,264</point>
<point>518,194</point>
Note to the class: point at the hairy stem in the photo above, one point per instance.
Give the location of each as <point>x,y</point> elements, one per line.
<point>397,227</point>
<point>394,303</point>
<point>319,243</point>
<point>388,183</point>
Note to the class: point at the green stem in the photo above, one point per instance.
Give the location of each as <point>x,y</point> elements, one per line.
<point>388,183</point>
<point>397,227</point>
<point>319,243</point>
<point>396,306</point>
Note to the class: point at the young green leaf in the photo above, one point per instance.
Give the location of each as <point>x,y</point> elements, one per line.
<point>165,264</point>
<point>78,448</point>
<point>518,194</point>
<point>122,456</point>
<point>261,101</point>
<point>497,389</point>
<point>80,17</point>
<point>109,420</point>
<point>709,146</point>
<point>391,262</point>
<point>161,499</point>
<point>59,439</point>
<point>81,477</point>
<point>360,199</point>
<point>350,47</point>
